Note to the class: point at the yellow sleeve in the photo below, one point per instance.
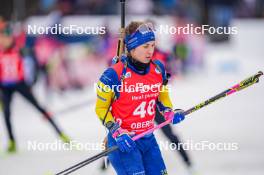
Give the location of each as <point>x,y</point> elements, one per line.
<point>164,97</point>
<point>103,102</point>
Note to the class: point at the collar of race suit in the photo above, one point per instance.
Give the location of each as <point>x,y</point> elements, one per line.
<point>139,67</point>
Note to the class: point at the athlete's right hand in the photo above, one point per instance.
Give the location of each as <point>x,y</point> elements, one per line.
<point>123,139</point>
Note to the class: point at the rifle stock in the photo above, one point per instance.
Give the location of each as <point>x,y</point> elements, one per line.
<point>120,45</point>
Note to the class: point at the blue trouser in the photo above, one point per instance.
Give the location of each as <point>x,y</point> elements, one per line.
<point>145,159</point>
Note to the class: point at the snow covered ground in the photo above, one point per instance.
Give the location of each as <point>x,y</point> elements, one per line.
<point>237,119</point>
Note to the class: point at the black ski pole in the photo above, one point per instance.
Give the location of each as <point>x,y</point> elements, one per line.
<point>87,161</point>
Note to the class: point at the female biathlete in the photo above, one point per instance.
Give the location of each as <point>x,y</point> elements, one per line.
<point>127,95</point>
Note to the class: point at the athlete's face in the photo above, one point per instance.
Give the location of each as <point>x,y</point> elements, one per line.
<point>144,52</point>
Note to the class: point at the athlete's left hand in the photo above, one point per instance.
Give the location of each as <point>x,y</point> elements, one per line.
<point>175,117</point>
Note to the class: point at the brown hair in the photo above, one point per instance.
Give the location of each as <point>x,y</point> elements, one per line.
<point>132,27</point>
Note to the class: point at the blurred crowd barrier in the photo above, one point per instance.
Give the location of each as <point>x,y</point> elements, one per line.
<point>73,59</point>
